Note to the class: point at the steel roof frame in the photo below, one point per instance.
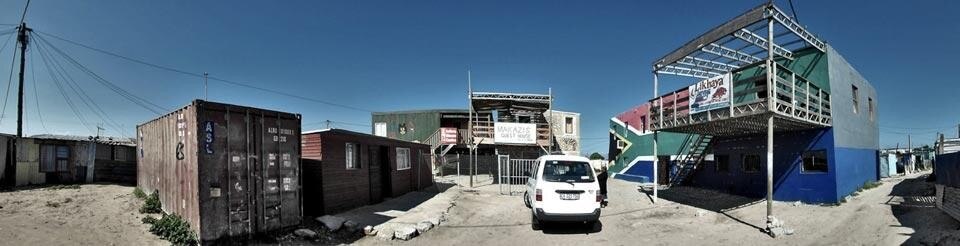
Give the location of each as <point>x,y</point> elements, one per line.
<point>711,52</point>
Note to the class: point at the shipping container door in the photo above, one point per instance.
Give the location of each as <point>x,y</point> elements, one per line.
<point>280,184</point>
<point>238,161</point>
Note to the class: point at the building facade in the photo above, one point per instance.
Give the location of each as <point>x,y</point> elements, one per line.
<point>794,106</point>
<point>343,170</point>
<point>63,159</point>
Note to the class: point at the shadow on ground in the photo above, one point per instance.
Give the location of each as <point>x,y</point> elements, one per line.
<point>913,203</point>
<point>372,215</point>
<point>705,198</point>
<point>570,228</point>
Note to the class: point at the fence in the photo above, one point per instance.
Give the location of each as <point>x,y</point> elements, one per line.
<point>456,168</point>
<point>512,174</point>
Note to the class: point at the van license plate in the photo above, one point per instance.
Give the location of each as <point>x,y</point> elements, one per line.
<point>569,196</point>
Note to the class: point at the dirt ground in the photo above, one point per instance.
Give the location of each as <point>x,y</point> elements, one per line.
<point>900,211</point>
<point>94,214</point>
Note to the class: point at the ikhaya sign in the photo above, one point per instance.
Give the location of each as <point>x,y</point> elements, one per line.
<point>709,94</point>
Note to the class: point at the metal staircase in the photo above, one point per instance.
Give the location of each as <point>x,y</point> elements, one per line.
<point>692,160</point>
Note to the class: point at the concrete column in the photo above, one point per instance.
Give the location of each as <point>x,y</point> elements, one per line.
<point>656,160</point>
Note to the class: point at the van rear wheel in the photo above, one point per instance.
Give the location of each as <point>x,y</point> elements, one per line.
<point>526,200</point>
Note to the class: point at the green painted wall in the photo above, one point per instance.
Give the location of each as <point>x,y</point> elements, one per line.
<point>809,63</point>
<point>420,125</point>
<point>668,143</point>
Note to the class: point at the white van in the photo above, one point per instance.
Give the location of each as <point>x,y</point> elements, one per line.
<point>563,188</point>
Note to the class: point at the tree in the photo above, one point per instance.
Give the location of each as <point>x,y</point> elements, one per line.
<point>596,156</point>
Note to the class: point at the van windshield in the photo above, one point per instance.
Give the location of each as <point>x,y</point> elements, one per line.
<point>567,171</point>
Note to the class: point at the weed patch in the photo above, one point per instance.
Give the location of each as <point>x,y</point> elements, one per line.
<point>172,228</point>
<point>152,204</point>
<point>138,193</point>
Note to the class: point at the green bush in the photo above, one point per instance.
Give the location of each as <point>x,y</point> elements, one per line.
<point>137,192</point>
<point>152,204</point>
<point>172,228</point>
<point>870,185</point>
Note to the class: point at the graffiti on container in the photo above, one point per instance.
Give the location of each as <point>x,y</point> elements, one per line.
<point>180,151</point>
<point>208,137</point>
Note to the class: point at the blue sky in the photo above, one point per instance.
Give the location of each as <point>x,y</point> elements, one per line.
<point>397,55</point>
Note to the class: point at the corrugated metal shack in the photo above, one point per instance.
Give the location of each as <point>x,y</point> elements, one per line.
<point>344,169</point>
<point>231,171</point>
<point>59,159</point>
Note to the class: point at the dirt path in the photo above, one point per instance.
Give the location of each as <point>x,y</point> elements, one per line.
<point>91,215</point>
<point>897,212</point>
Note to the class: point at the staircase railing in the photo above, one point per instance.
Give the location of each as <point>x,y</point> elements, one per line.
<point>694,157</point>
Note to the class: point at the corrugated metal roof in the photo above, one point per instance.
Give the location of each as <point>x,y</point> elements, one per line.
<point>422,111</point>
<point>102,140</point>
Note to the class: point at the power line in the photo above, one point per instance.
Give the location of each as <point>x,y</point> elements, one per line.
<point>36,96</point>
<point>55,79</point>
<point>153,107</point>
<point>6,96</point>
<point>85,98</point>
<point>795,18</point>
<point>24,16</point>
<point>200,75</point>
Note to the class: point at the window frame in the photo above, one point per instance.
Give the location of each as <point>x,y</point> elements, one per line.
<point>856,99</point>
<point>351,157</point>
<point>811,154</point>
<point>743,163</point>
<point>380,129</point>
<point>568,123</point>
<point>403,163</point>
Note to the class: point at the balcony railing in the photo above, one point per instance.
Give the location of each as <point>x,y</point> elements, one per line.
<point>796,99</point>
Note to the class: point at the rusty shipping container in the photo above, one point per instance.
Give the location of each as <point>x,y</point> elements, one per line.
<point>230,171</point>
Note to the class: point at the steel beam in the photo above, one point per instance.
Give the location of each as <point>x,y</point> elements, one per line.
<point>730,53</point>
<point>795,27</point>
<point>689,72</point>
<point>762,43</point>
<point>707,64</point>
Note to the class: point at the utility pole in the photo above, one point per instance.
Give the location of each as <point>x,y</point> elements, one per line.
<point>22,39</point>
<point>205,95</point>
<point>470,125</point>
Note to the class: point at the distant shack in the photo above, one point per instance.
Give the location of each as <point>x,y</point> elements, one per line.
<point>67,159</point>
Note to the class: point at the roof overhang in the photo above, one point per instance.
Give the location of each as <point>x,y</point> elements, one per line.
<point>737,43</point>
<point>484,101</point>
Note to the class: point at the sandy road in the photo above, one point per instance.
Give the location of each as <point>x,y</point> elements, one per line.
<point>898,212</point>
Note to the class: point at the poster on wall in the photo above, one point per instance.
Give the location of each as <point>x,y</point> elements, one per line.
<point>515,133</point>
<point>448,135</point>
<point>709,94</point>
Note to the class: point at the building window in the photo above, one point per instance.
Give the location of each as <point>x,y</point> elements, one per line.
<point>751,163</point>
<point>351,156</point>
<point>815,161</point>
<point>380,129</point>
<point>856,100</point>
<point>870,108</point>
<point>568,125</point>
<point>54,158</point>
<point>403,159</point>
<point>723,163</point>
<point>120,153</point>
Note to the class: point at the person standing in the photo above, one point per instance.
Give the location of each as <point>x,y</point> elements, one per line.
<point>602,179</point>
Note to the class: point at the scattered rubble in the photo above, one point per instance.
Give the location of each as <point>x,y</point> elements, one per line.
<point>405,233</point>
<point>305,233</point>
<point>333,223</point>
<point>351,226</point>
<point>369,231</point>
<point>424,226</point>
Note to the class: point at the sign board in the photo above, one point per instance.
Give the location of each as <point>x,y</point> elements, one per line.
<point>515,133</point>
<point>448,135</point>
<point>709,94</point>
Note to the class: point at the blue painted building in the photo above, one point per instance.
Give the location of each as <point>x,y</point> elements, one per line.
<point>714,133</point>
